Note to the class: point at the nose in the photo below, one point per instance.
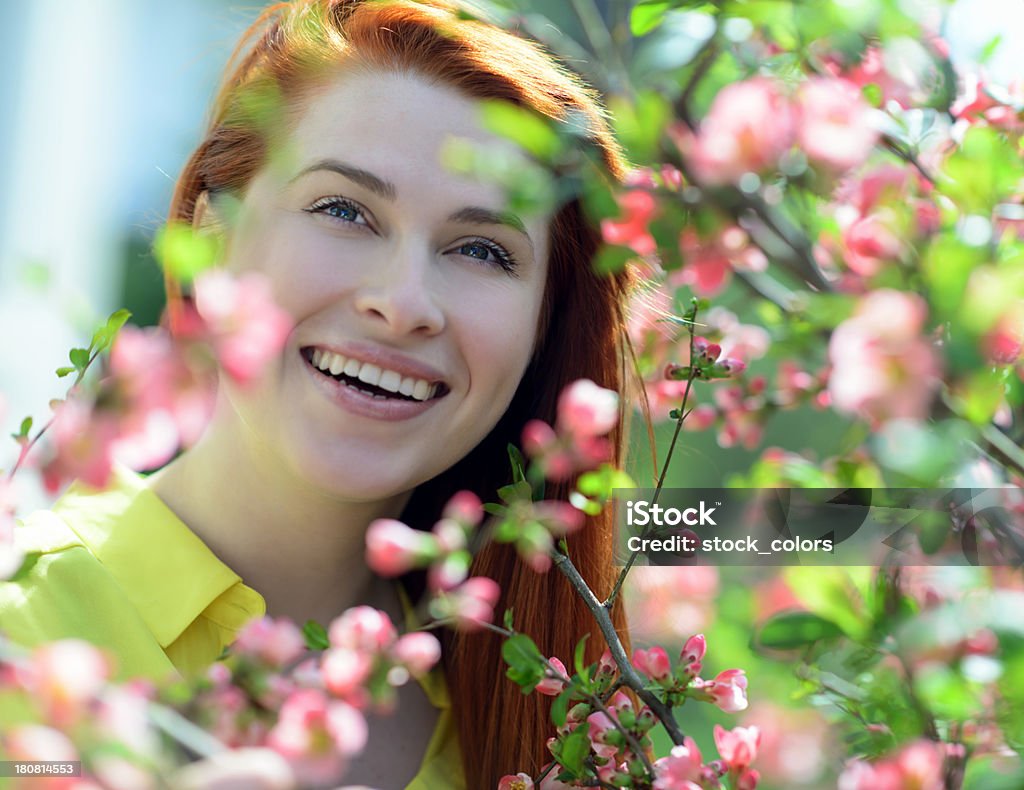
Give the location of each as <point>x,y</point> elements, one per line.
<point>398,292</point>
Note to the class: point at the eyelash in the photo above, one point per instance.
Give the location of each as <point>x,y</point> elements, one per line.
<point>502,257</point>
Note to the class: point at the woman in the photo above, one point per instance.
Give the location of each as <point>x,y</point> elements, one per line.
<point>430,325</point>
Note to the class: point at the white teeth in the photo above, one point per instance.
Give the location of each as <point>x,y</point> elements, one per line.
<point>390,381</point>
<point>369,374</point>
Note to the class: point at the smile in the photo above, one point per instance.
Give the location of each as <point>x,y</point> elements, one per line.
<point>360,385</point>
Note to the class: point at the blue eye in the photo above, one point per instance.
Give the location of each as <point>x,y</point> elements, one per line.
<point>340,209</point>
<point>489,252</point>
<point>475,250</point>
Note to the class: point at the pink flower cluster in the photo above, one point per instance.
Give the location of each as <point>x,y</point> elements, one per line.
<point>157,395</point>
<point>728,690</point>
<point>882,365</point>
<point>393,548</point>
<point>919,765</point>
<point>618,733</point>
<point>586,414</point>
<point>753,124</point>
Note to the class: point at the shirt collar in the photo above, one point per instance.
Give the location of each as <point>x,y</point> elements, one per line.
<point>166,571</point>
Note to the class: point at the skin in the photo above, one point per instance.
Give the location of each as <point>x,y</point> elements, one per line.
<point>284,482</point>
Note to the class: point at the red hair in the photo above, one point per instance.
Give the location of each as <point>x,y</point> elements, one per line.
<point>292,49</point>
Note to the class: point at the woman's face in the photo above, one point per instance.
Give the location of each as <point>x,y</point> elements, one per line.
<point>410,282</point>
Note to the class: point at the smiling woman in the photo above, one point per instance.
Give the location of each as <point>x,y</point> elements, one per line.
<point>430,324</point>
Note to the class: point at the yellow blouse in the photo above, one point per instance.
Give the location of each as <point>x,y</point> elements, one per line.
<point>117,568</point>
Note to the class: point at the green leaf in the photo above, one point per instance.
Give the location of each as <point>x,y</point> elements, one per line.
<point>507,619</point>
<point>23,429</point>
<point>603,481</point>
<point>184,252</point>
<point>62,372</point>
<point>639,124</point>
<point>575,749</point>
<point>611,259</point>
<point>578,656</point>
<point>525,662</point>
<point>516,492</point>
<point>795,629</point>
<point>105,334</point>
<point>315,635</point>
<point>79,358</point>
<point>515,458</point>
<point>524,127</point>
<point>560,707</point>
<point>495,509</point>
<point>647,17</point>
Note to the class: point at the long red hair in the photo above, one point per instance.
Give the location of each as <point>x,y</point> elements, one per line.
<point>287,53</point>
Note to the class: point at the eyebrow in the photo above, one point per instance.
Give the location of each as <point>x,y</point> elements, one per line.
<point>471,215</point>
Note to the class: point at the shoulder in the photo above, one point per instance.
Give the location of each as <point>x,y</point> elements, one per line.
<point>63,591</point>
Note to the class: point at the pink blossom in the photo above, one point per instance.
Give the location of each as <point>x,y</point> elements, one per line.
<point>1004,342</point>
<point>450,571</point>
<point>541,443</point>
<point>599,732</point>
<point>709,262</point>
<point>653,662</point>
<point>747,779</point>
<point>344,670</point>
<point>471,604</point>
<point>520,781</point>
<point>83,442</point>
<point>362,628</point>
<point>882,368</point>
<point>738,746</point>
<point>560,518</point>
<point>553,684</point>
<point>465,508</point>
<point>66,676</point>
<point>245,326</point>
<point>317,735</point>
<point>638,208</point>
<point>834,127</point>
<point>681,769</point>
<point>392,548</point>
<point>728,690</point>
<point>870,244</point>
<point>450,535</point>
<point>418,652</point>
<point>694,649</point>
<point>747,129</point>
<point>276,642</point>
<point>587,410</point>
<point>919,766</point>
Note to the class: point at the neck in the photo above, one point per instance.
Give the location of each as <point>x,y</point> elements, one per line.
<point>298,546</point>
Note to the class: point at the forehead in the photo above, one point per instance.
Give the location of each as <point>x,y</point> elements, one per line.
<point>398,126</point>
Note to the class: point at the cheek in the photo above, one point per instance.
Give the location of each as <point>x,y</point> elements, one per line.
<point>498,337</point>
<point>305,270</point>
